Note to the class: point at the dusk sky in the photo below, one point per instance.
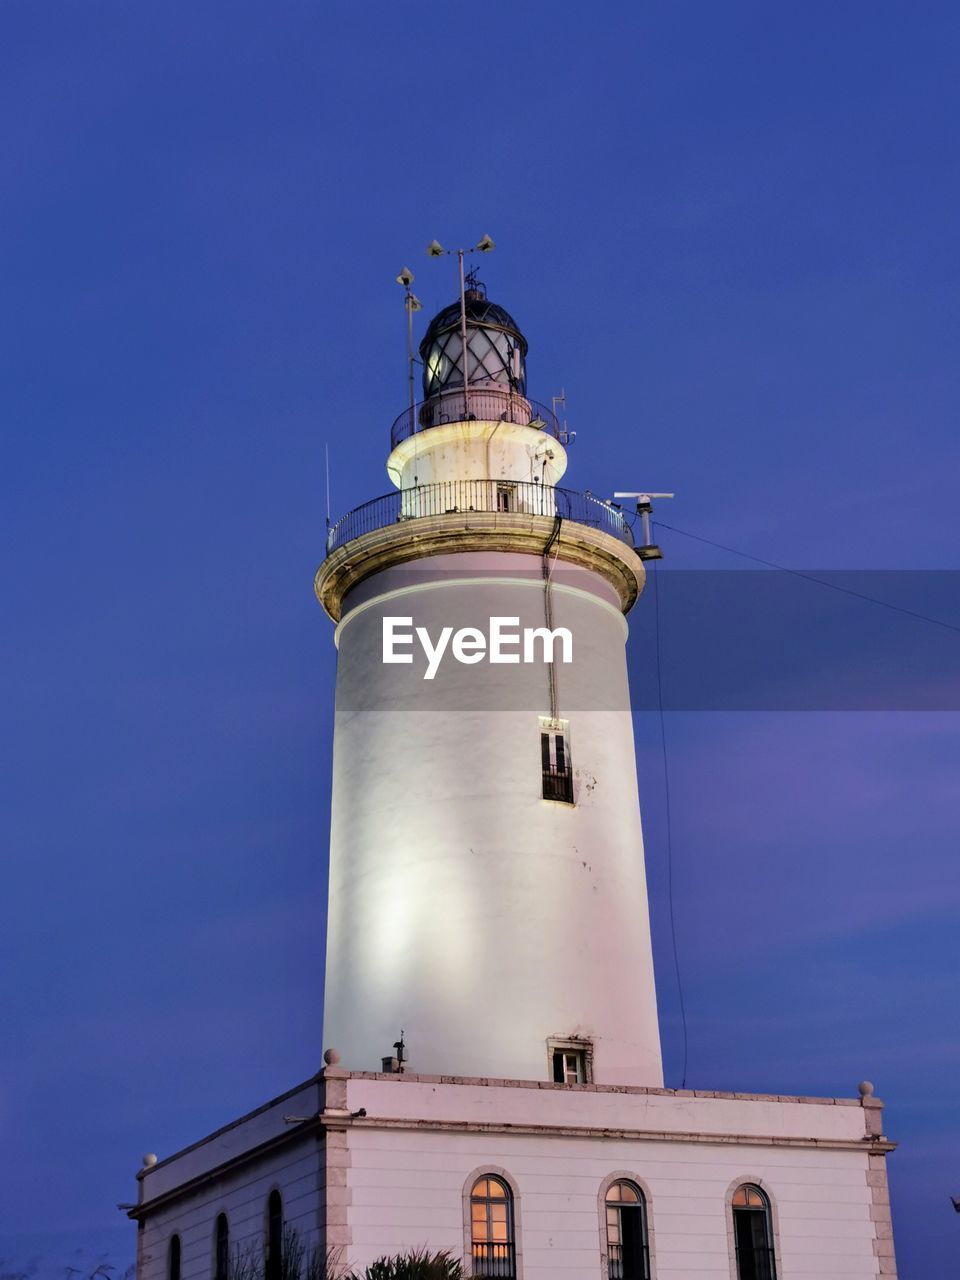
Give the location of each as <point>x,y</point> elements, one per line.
<point>730,233</point>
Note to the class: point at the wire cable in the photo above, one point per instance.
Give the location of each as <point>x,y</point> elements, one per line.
<point>809,577</point>
<point>669,828</point>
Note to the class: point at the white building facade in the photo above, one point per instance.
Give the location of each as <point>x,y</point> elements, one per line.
<point>493,1084</point>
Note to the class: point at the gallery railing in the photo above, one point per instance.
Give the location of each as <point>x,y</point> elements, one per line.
<point>483,404</point>
<point>456,497</point>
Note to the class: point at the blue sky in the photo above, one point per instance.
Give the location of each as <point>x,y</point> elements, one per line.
<point>729,233</point>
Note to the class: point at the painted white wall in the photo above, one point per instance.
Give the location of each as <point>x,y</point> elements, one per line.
<point>477,451</point>
<point>666,1111</point>
<point>296,1172</point>
<point>402,1170</point>
<point>464,908</point>
<point>406,1186</point>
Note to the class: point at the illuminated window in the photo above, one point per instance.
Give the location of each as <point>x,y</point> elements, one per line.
<point>273,1261</point>
<point>491,1218</point>
<point>752,1234</point>
<point>555,764</point>
<point>173,1259</point>
<point>222,1249</point>
<point>628,1254</point>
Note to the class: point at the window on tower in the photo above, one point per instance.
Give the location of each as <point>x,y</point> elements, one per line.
<point>752,1234</point>
<point>492,1229</point>
<point>571,1061</point>
<point>506,497</point>
<point>628,1252</point>
<point>555,763</point>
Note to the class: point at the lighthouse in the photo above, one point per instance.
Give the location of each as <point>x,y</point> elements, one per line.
<point>487,890</point>
<point>491,1084</point>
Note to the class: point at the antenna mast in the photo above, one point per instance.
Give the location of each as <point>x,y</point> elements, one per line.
<point>647,550</point>
<point>411,303</point>
<point>436,250</point>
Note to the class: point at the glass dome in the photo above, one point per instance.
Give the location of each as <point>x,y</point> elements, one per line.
<point>496,349</point>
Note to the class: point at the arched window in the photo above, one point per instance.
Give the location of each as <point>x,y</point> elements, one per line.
<point>752,1234</point>
<point>173,1259</point>
<point>273,1262</point>
<point>222,1248</point>
<point>628,1251</point>
<point>491,1217</point>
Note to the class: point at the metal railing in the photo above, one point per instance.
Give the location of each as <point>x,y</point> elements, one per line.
<point>494,1260</point>
<point>558,784</point>
<point>456,497</point>
<point>484,404</point>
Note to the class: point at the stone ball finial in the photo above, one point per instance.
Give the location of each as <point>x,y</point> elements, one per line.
<point>331,1057</point>
<point>149,1160</point>
<point>866,1088</point>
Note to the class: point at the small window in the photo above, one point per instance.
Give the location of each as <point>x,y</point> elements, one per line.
<point>752,1234</point>
<point>222,1250</point>
<point>571,1061</point>
<point>506,497</point>
<point>628,1253</point>
<point>273,1261</point>
<point>173,1259</point>
<point>555,762</point>
<point>491,1226</point>
<point>569,1067</point>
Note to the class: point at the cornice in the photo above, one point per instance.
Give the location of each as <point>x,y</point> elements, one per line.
<point>484,531</point>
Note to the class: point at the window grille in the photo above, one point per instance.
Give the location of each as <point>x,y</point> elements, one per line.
<point>555,765</point>
<point>492,1229</point>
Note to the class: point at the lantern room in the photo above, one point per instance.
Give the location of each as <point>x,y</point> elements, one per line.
<point>496,349</point>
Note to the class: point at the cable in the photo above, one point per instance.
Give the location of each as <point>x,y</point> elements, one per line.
<point>547,570</point>
<point>809,577</point>
<point>666,790</point>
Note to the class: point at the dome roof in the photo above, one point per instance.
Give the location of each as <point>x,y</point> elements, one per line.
<point>480,312</point>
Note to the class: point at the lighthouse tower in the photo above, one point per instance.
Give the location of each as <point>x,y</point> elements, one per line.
<point>492,1086</point>
<point>487,890</point>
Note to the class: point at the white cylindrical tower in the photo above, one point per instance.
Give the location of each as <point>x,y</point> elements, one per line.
<point>487,889</point>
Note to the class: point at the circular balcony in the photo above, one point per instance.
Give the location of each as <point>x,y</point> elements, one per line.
<point>457,497</point>
<point>483,404</point>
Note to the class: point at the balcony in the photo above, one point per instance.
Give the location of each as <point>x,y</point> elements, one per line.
<point>456,497</point>
<point>484,404</point>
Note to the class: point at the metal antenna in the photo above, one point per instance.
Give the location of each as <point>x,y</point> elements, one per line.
<point>326,450</point>
<point>401,1055</point>
<point>411,303</point>
<point>647,550</point>
<point>436,250</point>
<point>564,434</point>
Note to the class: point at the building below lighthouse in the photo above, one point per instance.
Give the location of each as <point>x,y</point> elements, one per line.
<point>492,1082</point>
